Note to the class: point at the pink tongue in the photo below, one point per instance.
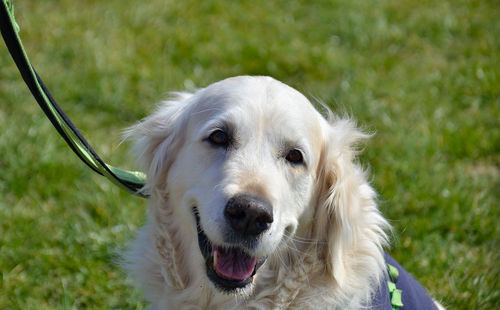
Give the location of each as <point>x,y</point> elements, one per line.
<point>233,264</point>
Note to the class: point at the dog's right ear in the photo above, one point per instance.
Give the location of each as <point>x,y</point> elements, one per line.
<point>347,220</point>
<point>158,138</point>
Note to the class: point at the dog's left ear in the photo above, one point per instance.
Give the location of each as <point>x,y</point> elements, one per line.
<point>159,137</point>
<point>348,223</point>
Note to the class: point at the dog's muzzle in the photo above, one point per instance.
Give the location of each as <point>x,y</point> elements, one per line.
<point>229,266</point>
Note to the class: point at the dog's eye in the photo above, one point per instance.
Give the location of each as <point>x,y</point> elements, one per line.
<point>295,157</point>
<point>219,138</point>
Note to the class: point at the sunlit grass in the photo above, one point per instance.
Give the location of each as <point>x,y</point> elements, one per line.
<point>423,75</point>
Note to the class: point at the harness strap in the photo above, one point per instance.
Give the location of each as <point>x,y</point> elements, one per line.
<point>395,293</point>
<point>131,181</point>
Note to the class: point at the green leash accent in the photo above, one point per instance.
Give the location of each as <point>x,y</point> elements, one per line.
<point>131,181</point>
<point>395,294</point>
<point>10,7</point>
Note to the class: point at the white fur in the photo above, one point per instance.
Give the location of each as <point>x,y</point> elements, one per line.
<point>324,246</point>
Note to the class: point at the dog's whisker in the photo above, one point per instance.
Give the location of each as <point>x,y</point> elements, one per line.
<point>302,240</point>
<point>284,263</point>
<point>217,186</point>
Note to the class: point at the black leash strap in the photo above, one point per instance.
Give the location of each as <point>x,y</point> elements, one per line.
<point>131,181</point>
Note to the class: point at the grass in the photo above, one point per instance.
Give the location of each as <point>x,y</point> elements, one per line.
<point>423,75</point>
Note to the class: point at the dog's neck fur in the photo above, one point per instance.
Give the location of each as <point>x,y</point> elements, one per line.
<point>292,279</point>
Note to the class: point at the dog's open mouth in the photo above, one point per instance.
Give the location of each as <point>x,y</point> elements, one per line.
<point>229,268</point>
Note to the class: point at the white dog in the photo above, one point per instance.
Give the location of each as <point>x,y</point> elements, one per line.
<point>256,202</point>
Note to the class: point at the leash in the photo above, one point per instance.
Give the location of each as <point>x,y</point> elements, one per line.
<point>132,181</point>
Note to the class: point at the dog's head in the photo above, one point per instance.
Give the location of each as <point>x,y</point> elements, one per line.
<point>244,167</point>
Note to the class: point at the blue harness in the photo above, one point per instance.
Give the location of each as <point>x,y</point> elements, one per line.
<point>400,291</point>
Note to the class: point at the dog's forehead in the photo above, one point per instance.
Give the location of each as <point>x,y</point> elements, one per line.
<point>253,100</point>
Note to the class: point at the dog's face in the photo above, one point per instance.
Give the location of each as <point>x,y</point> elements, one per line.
<point>236,162</point>
<point>244,172</point>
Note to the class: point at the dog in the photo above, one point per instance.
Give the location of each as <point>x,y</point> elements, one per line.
<point>257,202</point>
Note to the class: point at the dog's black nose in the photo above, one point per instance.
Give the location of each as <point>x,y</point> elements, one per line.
<point>249,215</point>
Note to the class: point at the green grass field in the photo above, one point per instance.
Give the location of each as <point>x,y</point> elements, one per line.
<point>424,76</point>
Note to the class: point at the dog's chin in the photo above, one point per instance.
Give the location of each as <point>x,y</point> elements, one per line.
<point>230,268</point>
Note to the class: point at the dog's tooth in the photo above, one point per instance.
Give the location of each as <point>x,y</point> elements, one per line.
<point>215,258</point>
